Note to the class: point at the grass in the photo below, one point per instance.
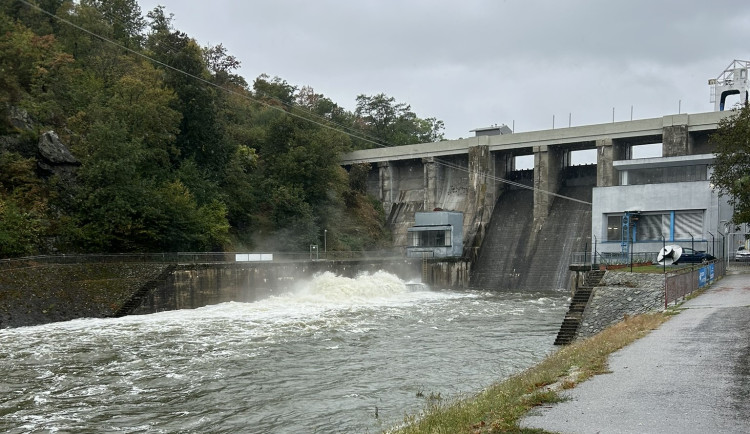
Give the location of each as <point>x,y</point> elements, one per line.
<point>499,408</point>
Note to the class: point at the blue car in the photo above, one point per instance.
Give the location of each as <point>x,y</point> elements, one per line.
<point>694,256</point>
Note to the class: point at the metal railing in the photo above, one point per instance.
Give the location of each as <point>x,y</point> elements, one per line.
<point>189,257</point>
<point>686,281</point>
<point>612,259</point>
<point>678,283</point>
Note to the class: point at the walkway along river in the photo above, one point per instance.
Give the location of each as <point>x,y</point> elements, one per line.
<point>335,355</point>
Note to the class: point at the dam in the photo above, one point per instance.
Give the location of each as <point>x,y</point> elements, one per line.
<point>514,245</point>
<point>517,219</point>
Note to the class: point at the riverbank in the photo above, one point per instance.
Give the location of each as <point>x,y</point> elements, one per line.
<point>500,407</point>
<point>62,292</point>
<point>691,375</point>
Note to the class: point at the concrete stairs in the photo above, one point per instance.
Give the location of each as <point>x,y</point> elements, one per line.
<point>578,303</point>
<point>139,295</point>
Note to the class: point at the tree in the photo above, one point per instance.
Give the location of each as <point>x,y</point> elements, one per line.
<point>22,205</point>
<point>274,91</point>
<point>323,107</point>
<point>123,17</point>
<point>222,65</point>
<point>731,169</point>
<point>394,124</point>
<point>200,137</point>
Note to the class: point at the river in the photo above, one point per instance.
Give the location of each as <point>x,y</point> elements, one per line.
<point>335,355</point>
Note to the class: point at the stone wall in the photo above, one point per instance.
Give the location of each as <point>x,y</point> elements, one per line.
<point>43,294</point>
<point>621,294</point>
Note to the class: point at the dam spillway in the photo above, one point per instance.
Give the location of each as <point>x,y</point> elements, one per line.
<point>519,255</point>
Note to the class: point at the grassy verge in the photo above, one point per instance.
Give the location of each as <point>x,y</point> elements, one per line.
<point>500,407</point>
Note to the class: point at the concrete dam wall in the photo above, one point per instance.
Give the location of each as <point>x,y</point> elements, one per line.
<point>517,256</point>
<point>196,285</point>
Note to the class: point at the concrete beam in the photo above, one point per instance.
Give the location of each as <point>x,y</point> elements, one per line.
<point>563,137</point>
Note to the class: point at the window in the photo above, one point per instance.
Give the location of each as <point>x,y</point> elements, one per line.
<point>614,228</point>
<point>687,223</point>
<point>672,225</point>
<point>431,238</point>
<point>662,175</point>
<point>651,227</point>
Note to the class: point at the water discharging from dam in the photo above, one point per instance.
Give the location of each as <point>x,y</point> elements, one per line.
<point>335,355</point>
<point>517,256</point>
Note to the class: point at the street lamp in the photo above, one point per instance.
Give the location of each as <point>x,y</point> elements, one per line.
<point>325,242</point>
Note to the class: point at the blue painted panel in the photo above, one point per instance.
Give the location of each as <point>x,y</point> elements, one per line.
<point>702,274</point>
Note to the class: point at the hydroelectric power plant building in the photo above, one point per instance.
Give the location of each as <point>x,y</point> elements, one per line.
<point>517,219</point>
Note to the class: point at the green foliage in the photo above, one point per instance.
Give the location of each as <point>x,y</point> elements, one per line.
<point>19,230</point>
<point>358,177</point>
<point>175,155</point>
<point>27,61</point>
<point>393,124</point>
<point>274,91</point>
<point>731,169</point>
<point>124,17</point>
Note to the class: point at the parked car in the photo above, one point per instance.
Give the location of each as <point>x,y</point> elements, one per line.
<point>693,256</point>
<point>742,254</point>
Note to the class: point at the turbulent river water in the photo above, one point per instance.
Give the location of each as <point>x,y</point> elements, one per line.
<point>336,355</point>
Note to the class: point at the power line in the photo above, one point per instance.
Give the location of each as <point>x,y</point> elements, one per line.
<point>325,123</point>
<point>514,183</point>
<point>200,79</point>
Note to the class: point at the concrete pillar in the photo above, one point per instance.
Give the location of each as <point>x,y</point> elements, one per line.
<point>430,183</point>
<point>547,168</point>
<point>480,200</point>
<point>675,141</point>
<point>481,168</point>
<point>385,185</point>
<point>606,153</point>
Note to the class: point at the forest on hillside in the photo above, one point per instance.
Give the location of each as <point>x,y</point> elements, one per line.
<point>158,145</point>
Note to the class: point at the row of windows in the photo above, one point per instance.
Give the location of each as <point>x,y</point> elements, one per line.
<point>662,175</point>
<point>438,238</point>
<point>672,225</point>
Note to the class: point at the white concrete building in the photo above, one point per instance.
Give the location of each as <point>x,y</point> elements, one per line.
<point>669,200</point>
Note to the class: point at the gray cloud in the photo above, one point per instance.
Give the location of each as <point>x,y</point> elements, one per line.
<point>477,62</point>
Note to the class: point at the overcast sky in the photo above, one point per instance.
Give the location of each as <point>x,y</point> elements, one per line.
<point>474,63</point>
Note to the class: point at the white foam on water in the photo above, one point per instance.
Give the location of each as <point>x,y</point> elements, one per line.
<point>331,336</point>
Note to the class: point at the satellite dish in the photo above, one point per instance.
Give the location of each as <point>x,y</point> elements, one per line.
<point>668,255</point>
<point>676,252</point>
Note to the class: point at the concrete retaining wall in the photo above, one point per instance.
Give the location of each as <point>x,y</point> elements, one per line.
<point>62,292</point>
<point>454,274</point>
<point>196,285</point>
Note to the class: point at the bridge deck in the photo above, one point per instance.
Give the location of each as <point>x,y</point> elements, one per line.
<point>639,131</point>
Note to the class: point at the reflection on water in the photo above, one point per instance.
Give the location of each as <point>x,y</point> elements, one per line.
<point>321,358</point>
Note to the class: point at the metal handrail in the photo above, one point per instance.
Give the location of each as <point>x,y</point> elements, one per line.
<point>187,257</point>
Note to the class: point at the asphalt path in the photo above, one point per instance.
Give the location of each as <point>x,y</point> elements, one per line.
<point>692,375</point>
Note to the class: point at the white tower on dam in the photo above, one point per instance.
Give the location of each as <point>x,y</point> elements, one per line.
<point>733,81</point>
